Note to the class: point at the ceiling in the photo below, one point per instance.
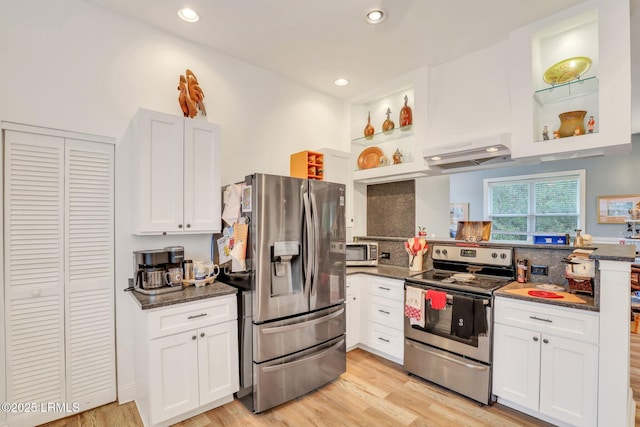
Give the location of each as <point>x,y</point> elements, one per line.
<point>315,42</point>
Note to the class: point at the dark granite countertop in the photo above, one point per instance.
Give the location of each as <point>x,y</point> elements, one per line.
<point>390,271</point>
<point>590,303</point>
<point>188,294</point>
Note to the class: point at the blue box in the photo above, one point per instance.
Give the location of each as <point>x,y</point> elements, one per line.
<point>550,239</point>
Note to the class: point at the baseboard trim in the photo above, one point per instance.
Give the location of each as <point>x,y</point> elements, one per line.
<point>126,393</point>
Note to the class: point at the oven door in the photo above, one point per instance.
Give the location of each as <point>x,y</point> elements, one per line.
<point>437,330</point>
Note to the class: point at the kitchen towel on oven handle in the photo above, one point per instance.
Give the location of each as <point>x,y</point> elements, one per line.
<point>414,306</point>
<point>468,317</point>
<point>438,299</point>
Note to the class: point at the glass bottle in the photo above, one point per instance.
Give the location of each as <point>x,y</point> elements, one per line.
<point>368,129</point>
<point>406,115</point>
<point>388,124</point>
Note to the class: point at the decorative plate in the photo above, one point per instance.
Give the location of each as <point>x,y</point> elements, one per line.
<point>370,158</point>
<point>567,70</point>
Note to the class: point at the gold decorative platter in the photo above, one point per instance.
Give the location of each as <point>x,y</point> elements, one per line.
<point>567,70</point>
<point>369,158</point>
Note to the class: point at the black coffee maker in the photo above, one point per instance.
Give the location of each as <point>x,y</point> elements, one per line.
<point>150,272</point>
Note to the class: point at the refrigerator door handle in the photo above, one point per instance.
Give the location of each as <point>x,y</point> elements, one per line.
<point>308,249</point>
<point>303,360</point>
<point>312,322</point>
<point>316,240</point>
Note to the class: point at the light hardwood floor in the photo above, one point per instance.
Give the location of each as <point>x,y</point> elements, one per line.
<point>373,392</point>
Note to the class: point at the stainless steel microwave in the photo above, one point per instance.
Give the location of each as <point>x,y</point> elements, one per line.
<point>362,254</point>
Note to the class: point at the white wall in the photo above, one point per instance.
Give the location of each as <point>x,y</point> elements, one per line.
<point>68,64</point>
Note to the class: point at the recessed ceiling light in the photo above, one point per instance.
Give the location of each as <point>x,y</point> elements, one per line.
<point>375,16</point>
<point>436,158</point>
<point>341,82</point>
<point>492,149</point>
<point>188,15</point>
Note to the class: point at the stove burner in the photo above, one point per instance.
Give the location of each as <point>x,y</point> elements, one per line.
<point>443,279</point>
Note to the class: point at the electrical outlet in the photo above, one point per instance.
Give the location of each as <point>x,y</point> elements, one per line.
<point>542,270</point>
<point>385,255</point>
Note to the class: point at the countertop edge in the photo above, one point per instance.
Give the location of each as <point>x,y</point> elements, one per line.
<point>188,294</point>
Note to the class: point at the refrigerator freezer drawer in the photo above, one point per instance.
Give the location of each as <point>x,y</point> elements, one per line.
<point>282,337</point>
<point>287,378</point>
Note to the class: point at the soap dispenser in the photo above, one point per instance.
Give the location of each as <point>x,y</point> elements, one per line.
<point>579,241</point>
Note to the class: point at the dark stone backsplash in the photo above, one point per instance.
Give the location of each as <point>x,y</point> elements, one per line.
<point>391,209</point>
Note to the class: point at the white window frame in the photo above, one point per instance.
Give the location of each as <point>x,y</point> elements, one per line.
<point>581,173</point>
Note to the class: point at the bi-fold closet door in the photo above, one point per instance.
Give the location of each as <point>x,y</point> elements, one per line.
<point>58,271</point>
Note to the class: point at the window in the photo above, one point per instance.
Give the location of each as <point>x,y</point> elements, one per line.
<point>521,206</point>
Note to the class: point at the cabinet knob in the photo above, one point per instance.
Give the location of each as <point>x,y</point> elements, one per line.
<point>164,233</point>
<point>188,225</point>
<point>193,337</point>
<point>201,334</point>
<point>179,225</point>
<point>535,339</point>
<point>546,341</point>
<point>35,293</point>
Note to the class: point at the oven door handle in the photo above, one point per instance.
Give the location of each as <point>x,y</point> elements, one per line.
<point>450,359</point>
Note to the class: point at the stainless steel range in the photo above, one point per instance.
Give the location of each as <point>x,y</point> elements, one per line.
<point>443,351</point>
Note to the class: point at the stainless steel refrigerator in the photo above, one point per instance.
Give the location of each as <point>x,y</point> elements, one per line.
<point>292,307</point>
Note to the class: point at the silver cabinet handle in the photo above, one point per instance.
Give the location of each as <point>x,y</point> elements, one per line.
<point>383,311</point>
<point>383,288</point>
<point>542,320</point>
<point>196,316</point>
<point>383,339</point>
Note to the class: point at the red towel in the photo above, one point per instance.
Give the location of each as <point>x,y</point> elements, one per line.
<point>438,299</point>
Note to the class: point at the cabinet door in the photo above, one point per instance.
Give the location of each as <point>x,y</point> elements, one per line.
<point>353,307</point>
<point>89,255</point>
<point>568,380</point>
<point>218,361</point>
<point>34,272</point>
<point>159,179</point>
<point>201,177</point>
<point>173,375</point>
<point>516,365</point>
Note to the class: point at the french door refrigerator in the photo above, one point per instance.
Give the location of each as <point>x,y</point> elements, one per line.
<point>292,312</point>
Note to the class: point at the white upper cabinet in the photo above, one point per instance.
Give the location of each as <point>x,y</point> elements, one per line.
<point>591,44</point>
<point>177,180</point>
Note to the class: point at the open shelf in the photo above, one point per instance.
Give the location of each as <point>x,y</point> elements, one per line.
<point>567,91</point>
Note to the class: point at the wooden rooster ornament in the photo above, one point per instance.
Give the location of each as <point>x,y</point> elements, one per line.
<point>190,97</point>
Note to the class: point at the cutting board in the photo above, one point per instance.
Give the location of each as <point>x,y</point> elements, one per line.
<point>566,296</point>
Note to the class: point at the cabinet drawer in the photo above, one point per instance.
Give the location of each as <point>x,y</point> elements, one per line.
<point>385,339</point>
<point>387,312</point>
<point>566,322</point>
<point>183,317</point>
<point>388,288</point>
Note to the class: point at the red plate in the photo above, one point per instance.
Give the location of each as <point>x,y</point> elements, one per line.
<point>544,294</point>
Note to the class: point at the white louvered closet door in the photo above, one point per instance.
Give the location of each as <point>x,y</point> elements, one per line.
<point>34,270</point>
<point>89,266</point>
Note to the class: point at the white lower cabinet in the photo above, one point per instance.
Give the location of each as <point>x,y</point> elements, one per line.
<point>546,361</point>
<point>192,363</point>
<point>384,311</point>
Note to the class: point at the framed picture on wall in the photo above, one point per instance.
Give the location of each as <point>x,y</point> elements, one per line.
<point>457,212</point>
<point>615,209</point>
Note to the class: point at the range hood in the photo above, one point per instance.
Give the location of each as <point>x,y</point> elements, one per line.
<point>470,155</point>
